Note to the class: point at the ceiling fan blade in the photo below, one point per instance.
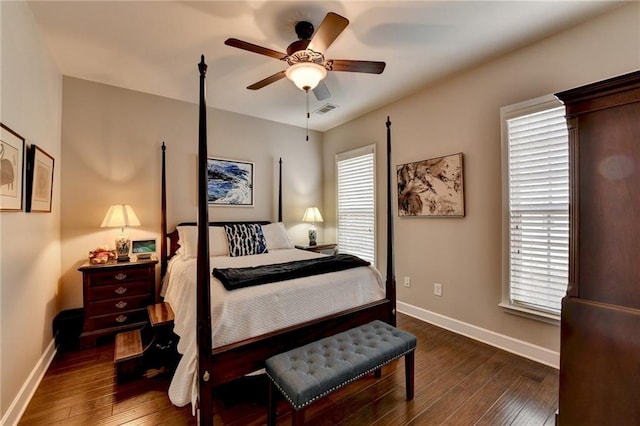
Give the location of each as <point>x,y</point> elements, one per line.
<point>234,42</point>
<point>371,67</point>
<point>331,27</point>
<point>271,79</point>
<point>321,91</point>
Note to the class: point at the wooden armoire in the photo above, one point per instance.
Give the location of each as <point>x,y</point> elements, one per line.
<point>600,322</point>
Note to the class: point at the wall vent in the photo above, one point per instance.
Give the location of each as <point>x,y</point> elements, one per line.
<point>325,109</point>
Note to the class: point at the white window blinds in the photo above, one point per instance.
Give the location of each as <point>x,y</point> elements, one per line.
<point>538,170</point>
<point>356,202</point>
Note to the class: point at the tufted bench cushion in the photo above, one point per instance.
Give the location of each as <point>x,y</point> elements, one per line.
<point>314,370</point>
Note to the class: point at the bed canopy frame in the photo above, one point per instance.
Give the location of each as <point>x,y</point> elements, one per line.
<point>222,364</point>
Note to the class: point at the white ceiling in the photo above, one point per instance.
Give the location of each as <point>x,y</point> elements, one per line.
<point>154,46</point>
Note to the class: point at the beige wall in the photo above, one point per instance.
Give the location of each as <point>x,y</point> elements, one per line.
<point>109,153</point>
<point>31,93</point>
<point>112,138</point>
<point>461,114</point>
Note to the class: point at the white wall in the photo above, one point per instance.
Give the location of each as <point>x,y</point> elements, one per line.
<point>31,97</point>
<point>461,114</point>
<point>112,138</point>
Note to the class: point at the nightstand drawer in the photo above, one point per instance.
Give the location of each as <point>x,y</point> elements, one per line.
<point>118,276</point>
<point>116,320</point>
<point>122,304</point>
<point>119,290</point>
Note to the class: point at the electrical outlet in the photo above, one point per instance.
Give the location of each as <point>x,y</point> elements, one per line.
<point>407,281</point>
<point>437,289</point>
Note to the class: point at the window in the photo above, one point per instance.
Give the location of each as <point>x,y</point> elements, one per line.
<point>356,202</point>
<point>535,147</point>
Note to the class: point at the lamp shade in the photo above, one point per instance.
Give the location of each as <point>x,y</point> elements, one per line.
<point>119,216</point>
<point>306,75</point>
<point>312,214</point>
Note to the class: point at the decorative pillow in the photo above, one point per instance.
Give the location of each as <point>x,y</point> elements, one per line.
<point>276,236</point>
<point>245,239</point>
<point>188,241</point>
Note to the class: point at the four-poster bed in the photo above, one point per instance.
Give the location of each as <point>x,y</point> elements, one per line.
<point>221,363</point>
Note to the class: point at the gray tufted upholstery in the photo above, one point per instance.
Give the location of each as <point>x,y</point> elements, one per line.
<point>309,372</point>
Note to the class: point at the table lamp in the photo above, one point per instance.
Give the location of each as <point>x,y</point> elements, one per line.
<point>119,216</point>
<point>312,214</point>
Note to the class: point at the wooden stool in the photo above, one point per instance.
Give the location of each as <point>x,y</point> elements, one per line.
<point>128,355</point>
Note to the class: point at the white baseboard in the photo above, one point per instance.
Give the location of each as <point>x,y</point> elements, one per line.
<point>21,401</point>
<point>527,350</point>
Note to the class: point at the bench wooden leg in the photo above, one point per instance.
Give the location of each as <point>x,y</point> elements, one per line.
<point>298,417</point>
<point>272,404</point>
<point>409,363</point>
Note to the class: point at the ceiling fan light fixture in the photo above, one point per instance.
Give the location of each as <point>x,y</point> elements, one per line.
<point>306,75</point>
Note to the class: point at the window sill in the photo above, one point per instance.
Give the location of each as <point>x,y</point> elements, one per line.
<point>530,313</point>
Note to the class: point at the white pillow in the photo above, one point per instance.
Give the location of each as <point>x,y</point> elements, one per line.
<point>276,236</point>
<point>218,245</point>
<point>188,241</point>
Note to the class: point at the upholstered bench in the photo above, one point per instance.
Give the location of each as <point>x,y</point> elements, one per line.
<point>312,371</point>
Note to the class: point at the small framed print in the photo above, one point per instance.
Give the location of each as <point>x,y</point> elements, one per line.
<point>11,169</point>
<point>143,246</point>
<point>39,180</point>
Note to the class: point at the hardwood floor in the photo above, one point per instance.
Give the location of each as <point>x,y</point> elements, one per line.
<point>458,381</point>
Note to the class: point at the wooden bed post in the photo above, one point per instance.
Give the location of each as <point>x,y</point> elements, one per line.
<point>391,278</point>
<point>205,401</point>
<point>163,220</point>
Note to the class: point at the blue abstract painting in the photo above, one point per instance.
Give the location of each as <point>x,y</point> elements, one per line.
<point>229,182</point>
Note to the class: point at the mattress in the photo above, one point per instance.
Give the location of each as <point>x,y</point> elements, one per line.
<point>248,312</point>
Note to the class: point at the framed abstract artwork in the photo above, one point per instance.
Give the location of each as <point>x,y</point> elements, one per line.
<point>39,180</point>
<point>431,188</point>
<point>229,182</point>
<point>11,169</point>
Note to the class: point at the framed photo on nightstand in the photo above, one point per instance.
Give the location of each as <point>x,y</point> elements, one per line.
<point>143,249</point>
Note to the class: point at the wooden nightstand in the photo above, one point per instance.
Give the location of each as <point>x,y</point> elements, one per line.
<point>115,297</point>
<point>325,248</point>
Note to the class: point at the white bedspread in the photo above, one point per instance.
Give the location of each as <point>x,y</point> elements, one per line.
<point>239,314</point>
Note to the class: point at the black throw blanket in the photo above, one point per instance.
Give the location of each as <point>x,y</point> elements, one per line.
<point>234,278</point>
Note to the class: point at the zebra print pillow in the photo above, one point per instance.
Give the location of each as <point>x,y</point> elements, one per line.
<point>245,239</point>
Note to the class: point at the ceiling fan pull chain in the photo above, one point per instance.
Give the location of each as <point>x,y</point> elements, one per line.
<point>307,94</point>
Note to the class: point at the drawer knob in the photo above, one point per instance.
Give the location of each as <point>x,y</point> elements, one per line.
<point>121,276</point>
<point>121,318</point>
<point>121,304</point>
<point>121,290</point>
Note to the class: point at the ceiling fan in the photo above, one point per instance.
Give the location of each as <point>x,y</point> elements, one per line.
<point>305,56</point>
